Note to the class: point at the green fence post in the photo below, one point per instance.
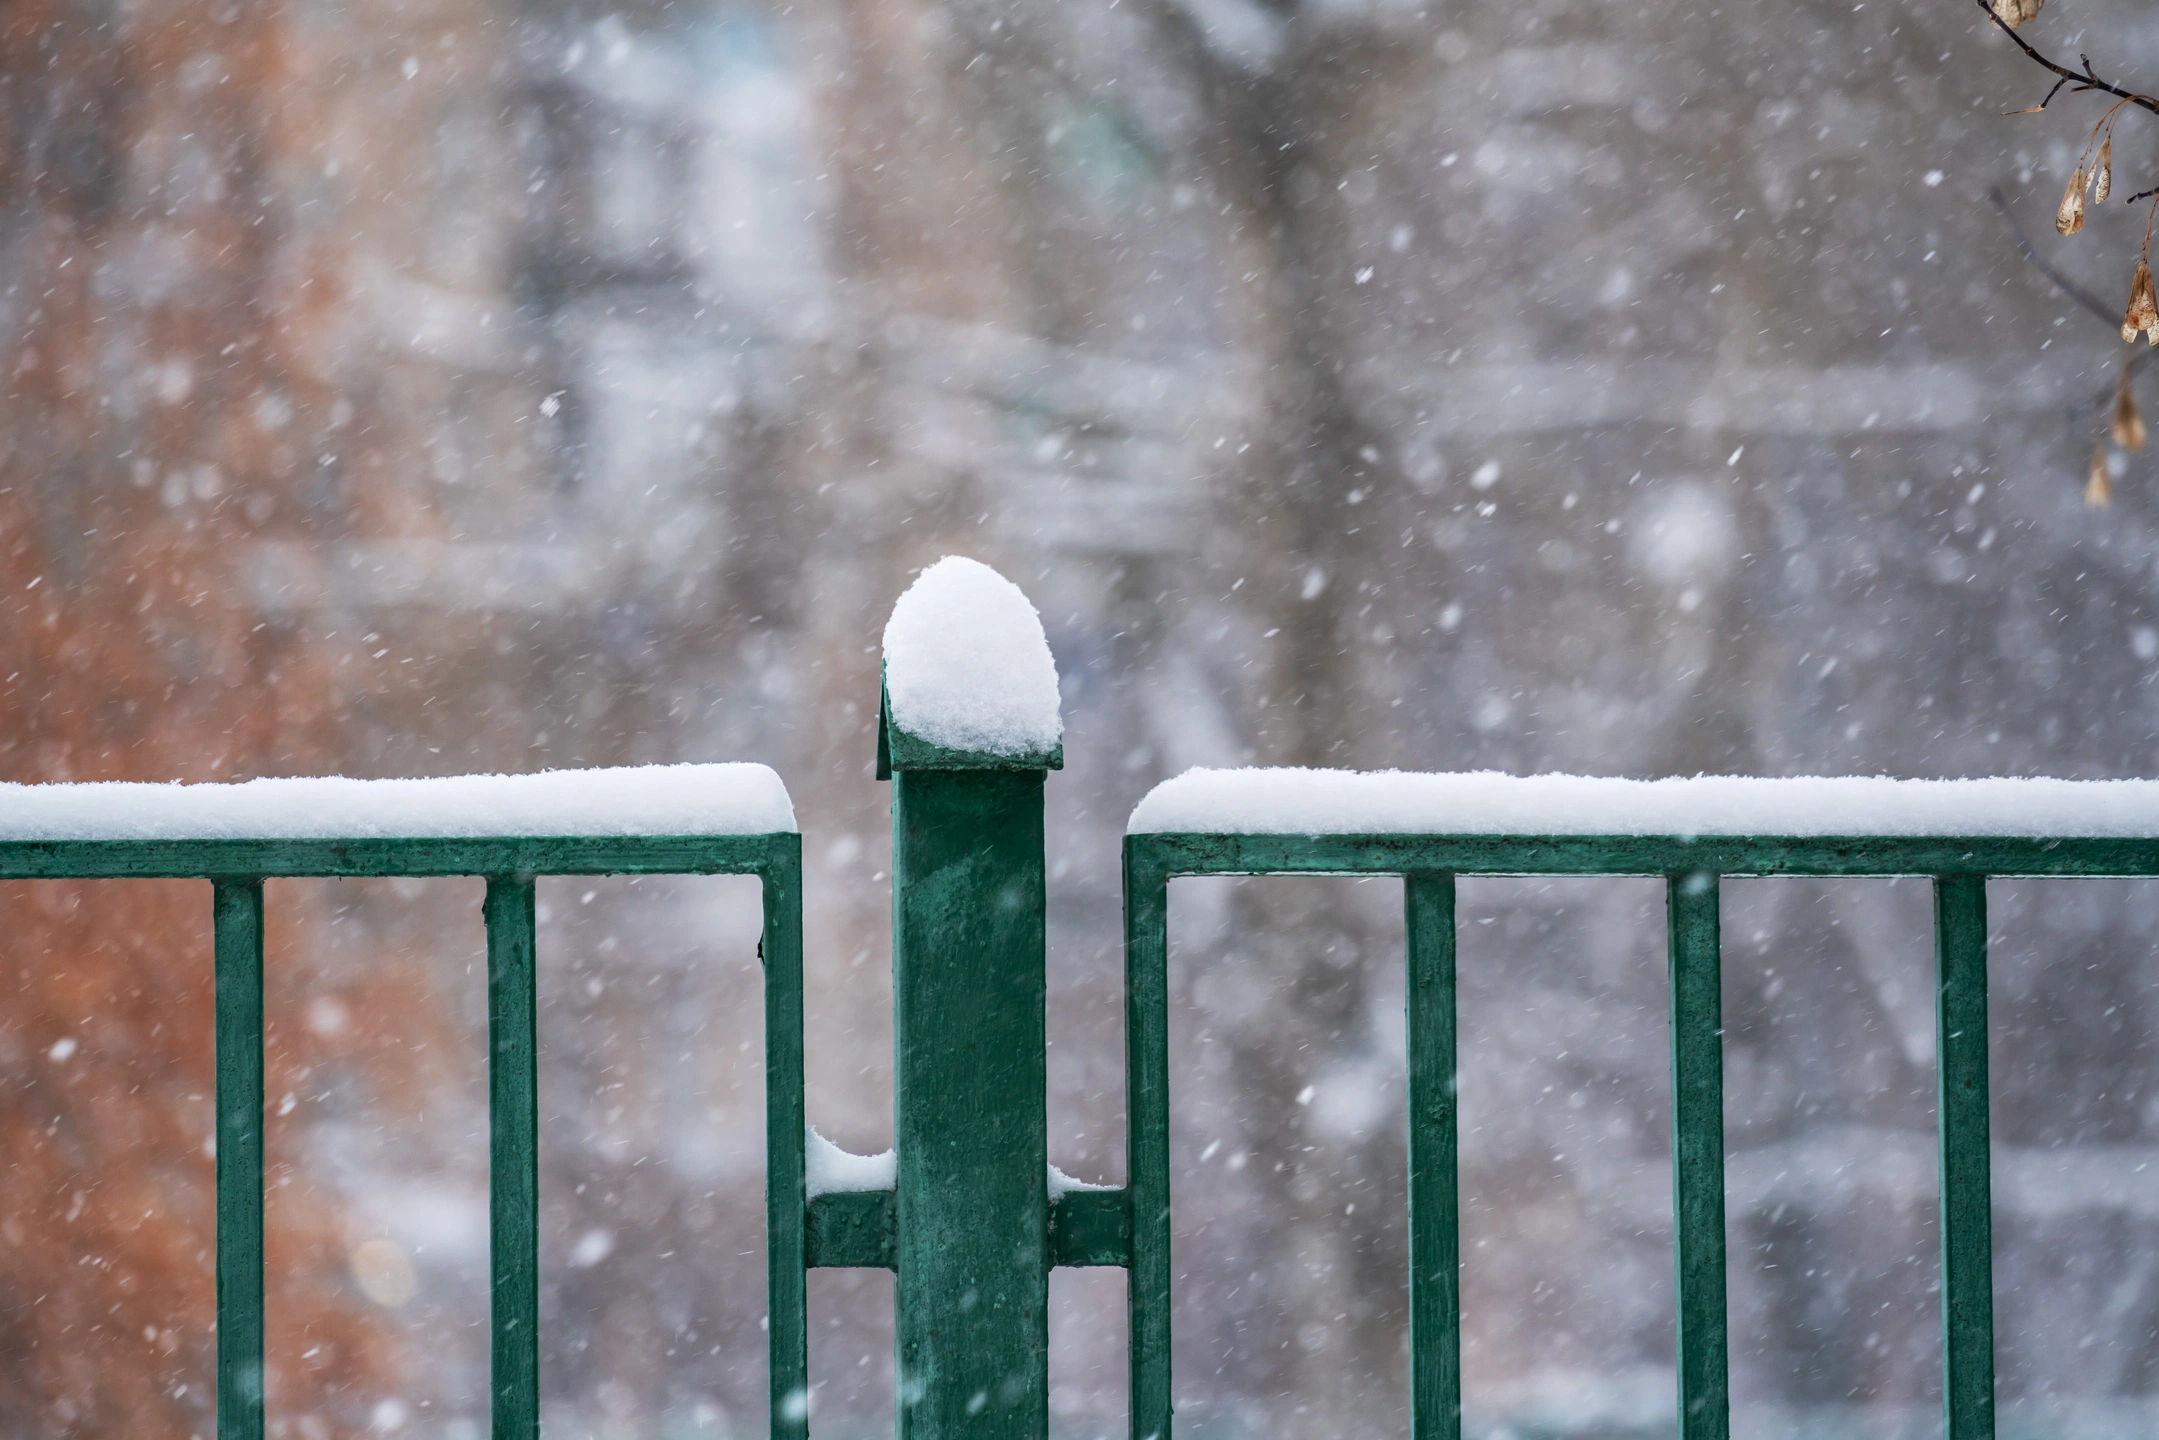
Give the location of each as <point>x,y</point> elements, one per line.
<point>968,902</point>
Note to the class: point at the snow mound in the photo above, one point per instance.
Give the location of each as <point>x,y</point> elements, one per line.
<point>1395,802</point>
<point>736,799</point>
<point>967,666</point>
<point>829,1170</point>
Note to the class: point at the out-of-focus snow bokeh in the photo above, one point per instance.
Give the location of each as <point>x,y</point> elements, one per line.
<point>399,389</point>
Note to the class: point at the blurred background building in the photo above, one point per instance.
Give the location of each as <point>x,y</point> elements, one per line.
<point>402,389</point>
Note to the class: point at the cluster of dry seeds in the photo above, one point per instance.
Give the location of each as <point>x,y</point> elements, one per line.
<point>2094,176</point>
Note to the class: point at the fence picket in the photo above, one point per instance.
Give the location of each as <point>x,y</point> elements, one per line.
<point>1960,947</point>
<point>1693,916</point>
<point>787,1258</point>
<point>513,1133</point>
<point>1435,1289</point>
<point>236,927</point>
<point>1146,1040</point>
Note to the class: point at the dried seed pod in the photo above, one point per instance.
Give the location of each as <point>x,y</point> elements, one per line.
<point>2098,492</point>
<point>2103,172</point>
<point>2015,12</point>
<point>2128,426</point>
<point>2143,312</point>
<point>2069,215</point>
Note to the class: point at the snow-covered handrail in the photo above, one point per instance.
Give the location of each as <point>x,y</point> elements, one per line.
<point>508,831</point>
<point>731,799</point>
<point>1393,802</point>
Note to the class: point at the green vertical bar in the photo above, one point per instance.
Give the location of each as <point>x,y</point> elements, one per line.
<point>236,908</point>
<point>1691,911</point>
<point>513,1136</point>
<point>786,1296</point>
<point>1146,1044</point>
<point>1435,1292</point>
<point>1960,954</point>
<point>968,903</point>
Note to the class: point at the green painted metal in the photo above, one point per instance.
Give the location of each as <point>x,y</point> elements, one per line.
<point>1435,1262</point>
<point>859,1229</point>
<point>1091,1227</point>
<point>236,919</point>
<point>1692,867</point>
<point>509,863</point>
<point>1646,855</point>
<point>493,855</point>
<point>1692,916</point>
<point>1960,949</point>
<point>513,1140</point>
<point>854,1229</point>
<point>786,1224</point>
<point>971,1231</point>
<point>970,1093</point>
<point>1146,1045</point>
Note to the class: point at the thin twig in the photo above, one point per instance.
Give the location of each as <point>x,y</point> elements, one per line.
<point>2038,262</point>
<point>2035,109</point>
<point>2068,287</point>
<point>2086,81</point>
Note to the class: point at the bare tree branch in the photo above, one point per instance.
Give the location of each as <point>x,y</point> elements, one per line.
<point>2086,81</point>
<point>2063,283</point>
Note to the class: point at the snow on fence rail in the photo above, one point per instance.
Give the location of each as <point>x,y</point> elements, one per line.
<point>969,728</point>
<point>1394,802</point>
<point>509,830</point>
<point>687,800</point>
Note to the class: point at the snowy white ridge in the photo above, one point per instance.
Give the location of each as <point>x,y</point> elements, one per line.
<point>967,666</point>
<point>734,799</point>
<point>1062,1184</point>
<point>829,1170</point>
<point>1485,802</point>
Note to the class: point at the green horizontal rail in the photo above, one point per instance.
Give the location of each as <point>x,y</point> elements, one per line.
<point>355,859</point>
<point>1646,855</point>
<point>1692,868</point>
<point>510,865</point>
<point>853,1229</point>
<point>1091,1228</point>
<point>859,1229</point>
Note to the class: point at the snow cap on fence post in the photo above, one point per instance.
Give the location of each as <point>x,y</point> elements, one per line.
<point>969,683</point>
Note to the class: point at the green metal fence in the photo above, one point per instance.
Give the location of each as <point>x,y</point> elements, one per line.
<point>1692,867</point>
<point>236,870</point>
<point>973,1227</point>
<point>971,1230</point>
